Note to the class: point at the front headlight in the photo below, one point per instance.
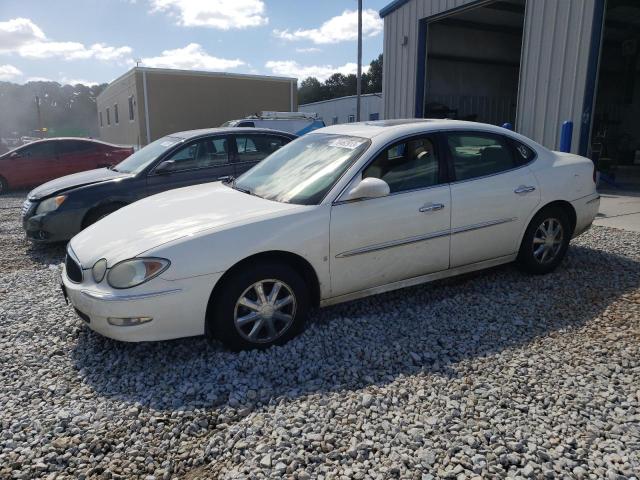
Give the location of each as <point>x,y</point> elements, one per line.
<point>99,269</point>
<point>50,204</point>
<point>133,272</point>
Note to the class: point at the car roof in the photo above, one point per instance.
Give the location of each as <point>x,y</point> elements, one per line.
<point>408,126</point>
<point>188,134</point>
<point>74,139</point>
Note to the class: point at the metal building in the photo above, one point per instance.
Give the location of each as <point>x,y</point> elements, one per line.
<point>145,104</point>
<point>343,109</point>
<point>533,63</point>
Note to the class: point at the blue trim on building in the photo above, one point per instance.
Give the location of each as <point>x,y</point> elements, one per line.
<point>421,68</point>
<point>393,6</point>
<point>592,77</point>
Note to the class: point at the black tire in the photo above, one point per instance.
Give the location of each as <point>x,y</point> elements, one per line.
<point>221,321</point>
<point>532,257</point>
<point>99,213</point>
<point>4,186</point>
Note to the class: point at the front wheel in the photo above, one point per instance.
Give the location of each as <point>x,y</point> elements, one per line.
<point>545,242</point>
<point>4,186</point>
<point>260,306</point>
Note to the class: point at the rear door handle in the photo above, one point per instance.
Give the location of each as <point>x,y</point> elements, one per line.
<point>432,207</point>
<point>524,189</point>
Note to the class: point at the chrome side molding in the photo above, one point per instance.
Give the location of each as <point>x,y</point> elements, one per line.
<point>112,297</point>
<point>421,238</point>
<point>392,244</point>
<point>478,226</point>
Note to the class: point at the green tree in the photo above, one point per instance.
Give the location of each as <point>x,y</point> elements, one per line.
<point>64,109</point>
<point>339,85</point>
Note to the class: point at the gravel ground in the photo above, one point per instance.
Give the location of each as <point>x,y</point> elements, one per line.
<point>497,374</point>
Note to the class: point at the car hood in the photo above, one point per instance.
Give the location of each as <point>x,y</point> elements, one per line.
<point>169,216</point>
<point>75,180</point>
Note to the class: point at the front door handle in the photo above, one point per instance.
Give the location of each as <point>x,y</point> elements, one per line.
<point>432,207</point>
<point>524,189</point>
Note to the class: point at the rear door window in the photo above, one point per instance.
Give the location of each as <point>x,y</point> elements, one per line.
<point>255,147</point>
<point>523,153</point>
<point>478,154</point>
<point>73,147</point>
<point>39,150</point>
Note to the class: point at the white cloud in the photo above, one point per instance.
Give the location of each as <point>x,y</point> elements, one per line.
<point>22,36</point>
<point>291,68</point>
<point>308,50</point>
<point>63,81</point>
<point>17,32</point>
<point>341,28</point>
<point>220,14</point>
<point>193,56</point>
<point>9,72</point>
<point>76,81</point>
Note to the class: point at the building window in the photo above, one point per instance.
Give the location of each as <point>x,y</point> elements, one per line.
<point>374,116</point>
<point>108,116</point>
<point>116,118</point>
<point>351,119</point>
<point>100,115</point>
<point>334,120</point>
<point>131,116</point>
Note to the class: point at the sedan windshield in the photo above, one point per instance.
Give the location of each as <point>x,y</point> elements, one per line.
<point>138,161</point>
<point>303,171</point>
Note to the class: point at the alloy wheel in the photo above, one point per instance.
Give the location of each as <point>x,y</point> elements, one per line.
<point>547,241</point>
<point>265,311</point>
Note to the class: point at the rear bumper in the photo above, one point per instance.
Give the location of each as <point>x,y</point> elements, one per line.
<point>53,226</point>
<point>586,211</point>
<point>177,307</point>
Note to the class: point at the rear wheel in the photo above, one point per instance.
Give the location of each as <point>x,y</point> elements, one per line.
<point>4,186</point>
<point>546,241</point>
<point>259,307</point>
<point>99,213</point>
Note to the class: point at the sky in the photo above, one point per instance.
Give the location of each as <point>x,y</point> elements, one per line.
<point>96,41</point>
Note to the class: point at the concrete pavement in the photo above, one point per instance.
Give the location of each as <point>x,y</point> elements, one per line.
<point>619,209</point>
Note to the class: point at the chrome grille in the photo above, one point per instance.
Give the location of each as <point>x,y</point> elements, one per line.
<point>27,207</point>
<point>73,268</point>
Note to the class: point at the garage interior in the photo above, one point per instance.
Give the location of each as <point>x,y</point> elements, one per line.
<point>615,136</point>
<point>473,63</point>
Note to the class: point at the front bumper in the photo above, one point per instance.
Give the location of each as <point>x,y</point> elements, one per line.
<point>56,226</point>
<point>177,307</point>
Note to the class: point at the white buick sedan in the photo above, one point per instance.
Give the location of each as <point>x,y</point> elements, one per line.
<point>338,214</point>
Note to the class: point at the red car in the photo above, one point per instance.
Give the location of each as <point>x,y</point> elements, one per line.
<point>44,160</point>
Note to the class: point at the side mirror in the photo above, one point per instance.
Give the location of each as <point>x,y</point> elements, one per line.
<point>165,167</point>
<point>368,188</point>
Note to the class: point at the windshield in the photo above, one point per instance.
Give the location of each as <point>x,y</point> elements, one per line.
<point>138,161</point>
<point>303,171</point>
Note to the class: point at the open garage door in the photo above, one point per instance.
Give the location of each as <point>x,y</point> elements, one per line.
<point>473,63</point>
<point>615,137</point>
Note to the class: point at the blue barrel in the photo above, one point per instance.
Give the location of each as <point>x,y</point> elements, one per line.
<point>566,136</point>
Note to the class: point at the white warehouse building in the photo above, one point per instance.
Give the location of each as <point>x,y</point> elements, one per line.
<point>343,109</point>
<point>532,63</point>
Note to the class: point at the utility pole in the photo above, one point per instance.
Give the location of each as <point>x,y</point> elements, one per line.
<point>359,76</point>
<point>39,116</point>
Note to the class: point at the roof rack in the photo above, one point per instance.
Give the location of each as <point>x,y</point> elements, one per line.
<point>269,115</point>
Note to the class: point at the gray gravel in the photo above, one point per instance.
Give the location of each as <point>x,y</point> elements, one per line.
<point>497,374</point>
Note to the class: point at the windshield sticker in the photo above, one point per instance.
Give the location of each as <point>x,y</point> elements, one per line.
<point>348,143</point>
<point>167,144</point>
